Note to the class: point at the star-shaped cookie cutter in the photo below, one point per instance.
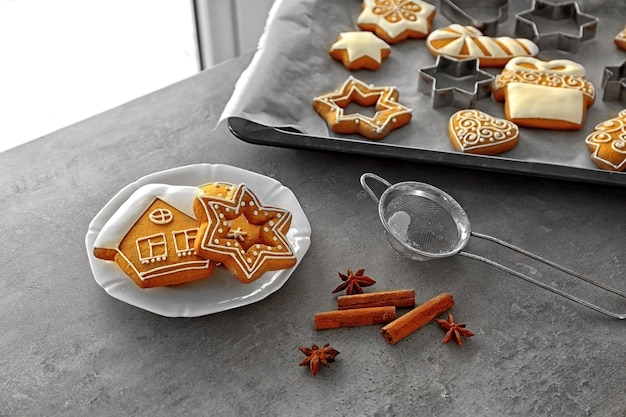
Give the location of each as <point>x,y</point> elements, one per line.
<point>526,25</point>
<point>455,82</point>
<point>458,11</point>
<point>614,83</point>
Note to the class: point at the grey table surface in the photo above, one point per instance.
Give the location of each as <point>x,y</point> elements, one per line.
<point>69,349</point>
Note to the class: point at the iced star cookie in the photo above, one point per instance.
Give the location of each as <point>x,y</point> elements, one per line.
<point>389,114</point>
<point>607,143</point>
<point>237,230</point>
<point>396,20</point>
<point>152,236</point>
<point>473,131</point>
<point>464,42</point>
<point>544,94</point>
<point>620,39</point>
<point>357,50</point>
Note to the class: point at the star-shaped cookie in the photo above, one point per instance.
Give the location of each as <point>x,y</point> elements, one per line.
<point>396,20</point>
<point>237,230</point>
<point>357,50</point>
<point>389,114</point>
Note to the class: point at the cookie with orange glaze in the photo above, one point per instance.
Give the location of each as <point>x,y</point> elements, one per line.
<point>396,20</point>
<point>241,233</point>
<point>390,114</point>
<point>360,50</point>
<point>607,143</point>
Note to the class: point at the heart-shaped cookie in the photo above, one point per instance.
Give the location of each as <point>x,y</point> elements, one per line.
<point>473,131</point>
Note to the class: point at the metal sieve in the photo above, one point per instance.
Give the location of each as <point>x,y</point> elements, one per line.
<point>422,223</point>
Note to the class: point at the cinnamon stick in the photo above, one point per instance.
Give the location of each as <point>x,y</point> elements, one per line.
<point>397,298</point>
<point>416,318</point>
<point>354,317</point>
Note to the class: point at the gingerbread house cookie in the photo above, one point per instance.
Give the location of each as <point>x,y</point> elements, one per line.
<point>152,236</point>
<point>544,94</point>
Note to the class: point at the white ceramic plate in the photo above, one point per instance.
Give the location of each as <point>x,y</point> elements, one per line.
<point>221,291</point>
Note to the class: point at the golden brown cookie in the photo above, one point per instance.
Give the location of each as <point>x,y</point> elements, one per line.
<point>607,143</point>
<point>473,131</point>
<point>360,50</point>
<point>396,20</point>
<point>464,42</point>
<point>389,114</point>
<point>620,39</point>
<point>237,230</point>
<point>152,236</point>
<point>544,94</point>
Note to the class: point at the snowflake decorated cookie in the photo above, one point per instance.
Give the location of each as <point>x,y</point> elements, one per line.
<point>396,20</point>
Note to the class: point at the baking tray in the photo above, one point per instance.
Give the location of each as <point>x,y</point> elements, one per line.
<point>289,71</point>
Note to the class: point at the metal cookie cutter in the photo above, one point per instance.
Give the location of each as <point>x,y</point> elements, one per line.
<point>454,82</point>
<point>543,11</point>
<point>470,12</point>
<point>422,223</point>
<point>614,83</point>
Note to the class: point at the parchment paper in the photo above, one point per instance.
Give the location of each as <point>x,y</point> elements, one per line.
<point>292,65</point>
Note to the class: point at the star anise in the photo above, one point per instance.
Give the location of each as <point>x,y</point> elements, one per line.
<point>353,283</point>
<point>316,356</point>
<point>455,330</point>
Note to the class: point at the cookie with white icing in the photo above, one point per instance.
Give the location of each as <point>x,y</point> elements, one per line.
<point>475,132</point>
<point>544,94</point>
<point>607,143</point>
<point>152,236</point>
<point>360,50</point>
<point>396,20</point>
<point>389,113</point>
<point>465,42</point>
<point>241,233</point>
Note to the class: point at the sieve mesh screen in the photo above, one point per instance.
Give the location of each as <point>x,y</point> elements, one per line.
<point>421,223</point>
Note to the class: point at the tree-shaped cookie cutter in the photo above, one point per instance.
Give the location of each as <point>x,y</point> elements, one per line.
<point>463,12</point>
<point>526,25</point>
<point>455,82</point>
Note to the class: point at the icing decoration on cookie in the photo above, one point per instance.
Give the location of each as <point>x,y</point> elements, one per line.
<point>547,94</point>
<point>358,50</point>
<point>607,143</point>
<point>396,20</point>
<point>243,234</point>
<point>620,39</point>
<point>389,115</point>
<point>152,236</point>
<point>473,131</point>
<point>462,42</point>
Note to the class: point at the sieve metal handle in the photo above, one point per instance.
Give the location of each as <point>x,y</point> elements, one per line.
<point>574,298</point>
<point>367,188</point>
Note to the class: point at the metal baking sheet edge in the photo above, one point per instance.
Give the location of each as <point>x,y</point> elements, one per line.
<point>259,134</point>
